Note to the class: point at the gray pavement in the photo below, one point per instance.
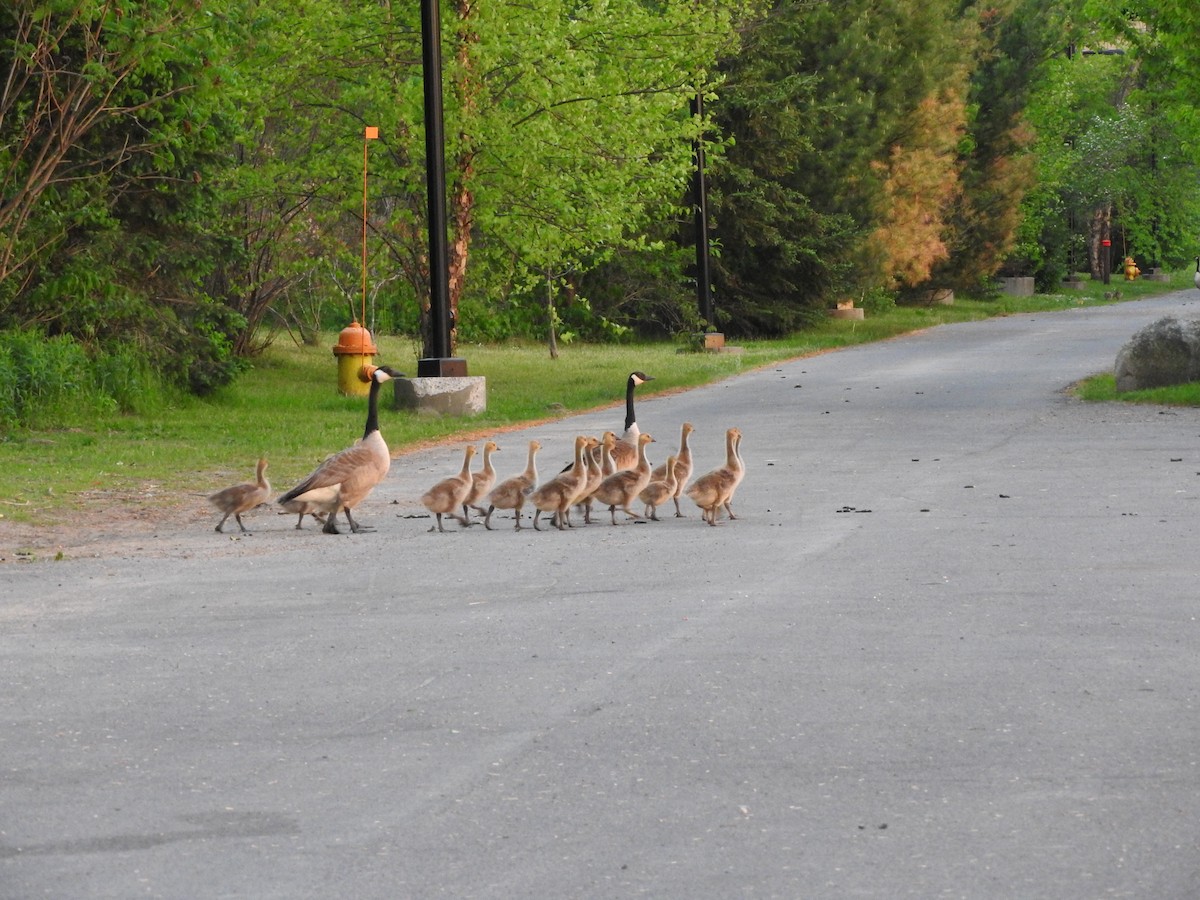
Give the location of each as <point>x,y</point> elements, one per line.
<point>949,649</point>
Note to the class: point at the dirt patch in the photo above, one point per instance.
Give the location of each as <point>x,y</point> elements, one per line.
<point>112,525</point>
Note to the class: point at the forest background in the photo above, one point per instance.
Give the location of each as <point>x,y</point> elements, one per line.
<point>182,182</point>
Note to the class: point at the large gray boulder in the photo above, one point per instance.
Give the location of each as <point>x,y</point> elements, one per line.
<point>1164,352</point>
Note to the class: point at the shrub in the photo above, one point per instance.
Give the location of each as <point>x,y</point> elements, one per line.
<point>50,381</point>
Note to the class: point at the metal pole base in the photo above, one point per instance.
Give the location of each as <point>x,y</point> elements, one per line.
<point>442,367</point>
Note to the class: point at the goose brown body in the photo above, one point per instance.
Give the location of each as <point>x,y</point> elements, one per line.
<point>659,490</point>
<point>621,488</point>
<point>716,488</point>
<point>512,492</point>
<point>599,466</point>
<point>445,497</point>
<point>727,500</point>
<point>557,494</point>
<point>481,483</point>
<point>240,498</point>
<point>682,469</point>
<point>344,479</point>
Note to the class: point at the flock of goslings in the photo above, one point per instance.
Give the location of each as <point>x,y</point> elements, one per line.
<point>609,471</point>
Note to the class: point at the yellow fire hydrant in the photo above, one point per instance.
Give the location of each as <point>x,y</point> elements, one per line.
<point>1131,269</point>
<point>354,351</point>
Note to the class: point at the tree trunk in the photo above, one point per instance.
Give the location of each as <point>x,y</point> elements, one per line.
<point>462,199</point>
<point>463,217</point>
<point>1099,231</point>
<point>551,318</point>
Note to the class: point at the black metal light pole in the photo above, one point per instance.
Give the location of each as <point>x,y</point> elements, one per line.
<point>440,322</point>
<point>700,191</point>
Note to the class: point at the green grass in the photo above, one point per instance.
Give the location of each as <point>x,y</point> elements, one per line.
<point>288,408</point>
<point>1102,388</point>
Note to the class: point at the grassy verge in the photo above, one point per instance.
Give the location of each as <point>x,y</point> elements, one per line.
<point>1102,388</point>
<point>288,409</point>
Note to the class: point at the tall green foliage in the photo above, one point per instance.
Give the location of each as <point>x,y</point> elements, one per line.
<point>1013,40</point>
<point>179,178</point>
<point>567,133</point>
<point>49,381</point>
<point>843,167</point>
<point>1117,139</point>
<point>112,120</point>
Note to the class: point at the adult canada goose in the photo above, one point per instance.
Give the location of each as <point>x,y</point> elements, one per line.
<point>659,490</point>
<point>512,492</point>
<point>445,497</point>
<point>345,479</point>
<point>481,483</point>
<point>240,498</point>
<point>711,491</point>
<point>557,494</point>
<point>622,488</point>
<point>1196,276</point>
<point>683,467</point>
<point>625,451</point>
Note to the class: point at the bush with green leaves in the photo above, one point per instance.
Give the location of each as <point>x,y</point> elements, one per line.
<point>55,381</point>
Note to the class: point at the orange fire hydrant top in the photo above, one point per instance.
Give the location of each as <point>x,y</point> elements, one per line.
<point>354,339</point>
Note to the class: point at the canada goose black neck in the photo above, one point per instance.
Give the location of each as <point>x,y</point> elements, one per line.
<point>378,377</point>
<point>372,409</point>
<point>635,378</point>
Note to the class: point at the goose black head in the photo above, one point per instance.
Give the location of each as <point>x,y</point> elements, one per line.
<point>636,378</point>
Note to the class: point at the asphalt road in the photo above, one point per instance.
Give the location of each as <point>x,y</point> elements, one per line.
<point>948,649</point>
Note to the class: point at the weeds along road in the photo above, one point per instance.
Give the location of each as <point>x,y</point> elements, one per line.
<point>948,648</point>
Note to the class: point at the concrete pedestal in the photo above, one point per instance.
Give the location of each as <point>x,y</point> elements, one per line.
<point>708,340</point>
<point>444,396</point>
<point>848,312</point>
<point>1021,286</point>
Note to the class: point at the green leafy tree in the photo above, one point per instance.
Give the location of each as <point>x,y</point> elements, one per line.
<point>567,133</point>
<point>111,121</point>
<point>574,130</point>
<point>1116,138</point>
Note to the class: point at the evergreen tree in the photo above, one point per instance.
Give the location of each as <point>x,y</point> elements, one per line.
<point>844,119</point>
